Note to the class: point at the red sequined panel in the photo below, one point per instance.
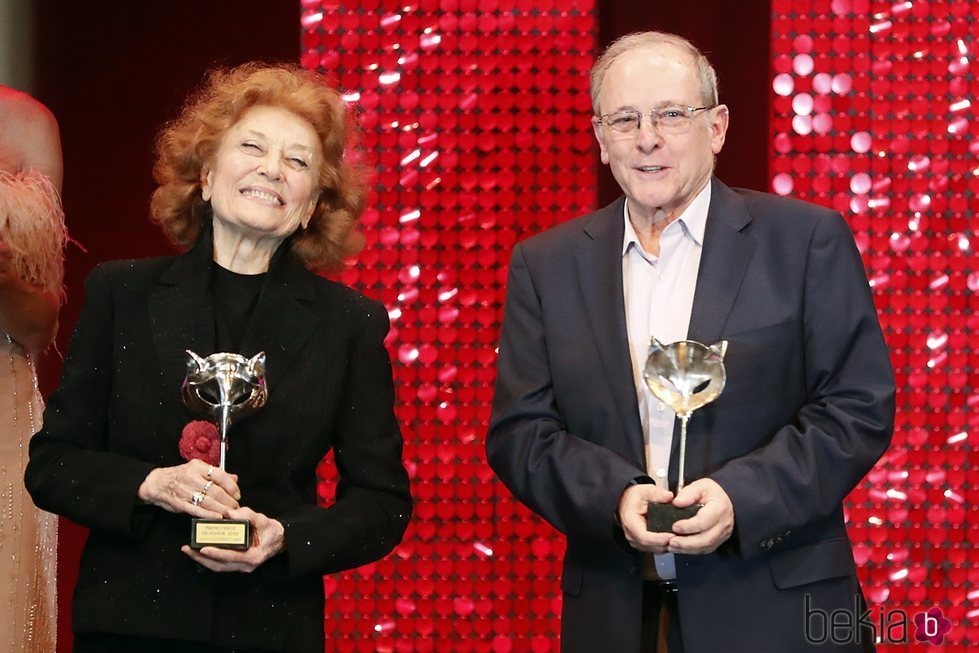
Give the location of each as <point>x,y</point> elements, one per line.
<point>874,114</point>
<point>475,115</point>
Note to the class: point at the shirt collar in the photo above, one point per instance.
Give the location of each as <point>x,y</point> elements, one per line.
<point>693,220</point>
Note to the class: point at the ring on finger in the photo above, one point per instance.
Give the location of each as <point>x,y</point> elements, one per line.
<point>210,470</point>
<point>207,486</point>
<point>197,498</point>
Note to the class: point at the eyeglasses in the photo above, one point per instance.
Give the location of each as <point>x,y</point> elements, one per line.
<point>669,119</point>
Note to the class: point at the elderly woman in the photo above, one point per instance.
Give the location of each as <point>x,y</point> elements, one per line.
<point>252,178</point>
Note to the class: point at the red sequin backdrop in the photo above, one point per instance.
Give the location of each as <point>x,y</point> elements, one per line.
<point>475,113</point>
<point>476,116</point>
<point>873,115</point>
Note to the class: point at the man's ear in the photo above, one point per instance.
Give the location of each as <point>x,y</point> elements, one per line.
<point>720,117</point>
<point>596,126</point>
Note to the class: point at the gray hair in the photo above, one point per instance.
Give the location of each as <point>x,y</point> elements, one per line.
<point>638,40</point>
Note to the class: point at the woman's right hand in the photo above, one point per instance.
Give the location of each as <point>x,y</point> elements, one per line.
<point>8,275</point>
<point>6,260</point>
<point>28,313</point>
<point>174,489</point>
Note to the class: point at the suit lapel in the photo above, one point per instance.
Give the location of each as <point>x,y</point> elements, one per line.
<point>181,314</point>
<point>599,263</point>
<point>283,321</point>
<point>723,263</point>
<point>727,251</point>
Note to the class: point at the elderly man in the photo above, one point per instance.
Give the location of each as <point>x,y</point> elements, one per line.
<point>808,408</point>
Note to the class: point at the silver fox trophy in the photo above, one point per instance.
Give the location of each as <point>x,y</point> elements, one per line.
<point>684,375</point>
<point>223,388</point>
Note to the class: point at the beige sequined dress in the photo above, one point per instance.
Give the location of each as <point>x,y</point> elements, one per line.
<point>32,224</point>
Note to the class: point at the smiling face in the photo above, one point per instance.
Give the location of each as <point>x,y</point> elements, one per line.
<point>657,171</point>
<point>263,180</point>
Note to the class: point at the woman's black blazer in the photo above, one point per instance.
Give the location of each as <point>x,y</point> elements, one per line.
<point>118,414</point>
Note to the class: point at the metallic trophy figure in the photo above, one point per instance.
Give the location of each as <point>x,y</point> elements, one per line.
<point>685,376</point>
<point>224,387</point>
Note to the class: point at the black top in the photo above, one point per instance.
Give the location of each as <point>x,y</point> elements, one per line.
<point>235,297</point>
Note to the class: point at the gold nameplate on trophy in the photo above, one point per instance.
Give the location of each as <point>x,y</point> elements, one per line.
<point>222,533</point>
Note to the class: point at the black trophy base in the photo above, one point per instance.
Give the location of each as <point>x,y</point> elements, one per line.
<point>660,517</point>
<point>221,533</point>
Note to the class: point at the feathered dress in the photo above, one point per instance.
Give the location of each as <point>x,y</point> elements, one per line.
<point>32,225</point>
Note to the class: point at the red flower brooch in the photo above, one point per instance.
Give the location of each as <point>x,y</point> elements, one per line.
<point>200,440</point>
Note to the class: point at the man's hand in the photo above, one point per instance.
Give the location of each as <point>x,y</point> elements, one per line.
<point>632,515</point>
<point>711,526</point>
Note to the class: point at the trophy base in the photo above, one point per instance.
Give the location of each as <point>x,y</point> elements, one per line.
<point>660,517</point>
<point>221,533</point>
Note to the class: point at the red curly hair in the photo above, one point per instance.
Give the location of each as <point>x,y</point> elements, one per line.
<point>185,145</point>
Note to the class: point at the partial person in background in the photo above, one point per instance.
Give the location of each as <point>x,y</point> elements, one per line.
<point>254,186</point>
<point>32,235</point>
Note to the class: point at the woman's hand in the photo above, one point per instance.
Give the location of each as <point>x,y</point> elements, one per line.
<point>195,488</point>
<point>28,313</point>
<point>6,262</point>
<point>268,539</point>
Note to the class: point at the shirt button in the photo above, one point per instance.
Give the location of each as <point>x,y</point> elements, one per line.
<point>660,473</point>
<point>661,406</point>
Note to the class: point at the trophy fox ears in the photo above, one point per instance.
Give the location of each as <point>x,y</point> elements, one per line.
<point>256,364</point>
<point>194,362</point>
<point>719,348</point>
